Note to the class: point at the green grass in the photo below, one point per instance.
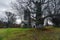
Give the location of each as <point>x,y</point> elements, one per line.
<point>50,33</point>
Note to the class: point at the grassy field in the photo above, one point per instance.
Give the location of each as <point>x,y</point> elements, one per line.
<point>29,34</point>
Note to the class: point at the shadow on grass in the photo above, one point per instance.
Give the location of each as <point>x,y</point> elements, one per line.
<point>44,29</point>
<point>56,26</point>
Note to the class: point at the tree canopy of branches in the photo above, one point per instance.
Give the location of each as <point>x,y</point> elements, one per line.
<point>39,8</point>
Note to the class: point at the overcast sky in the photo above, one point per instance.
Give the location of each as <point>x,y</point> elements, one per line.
<point>4,5</point>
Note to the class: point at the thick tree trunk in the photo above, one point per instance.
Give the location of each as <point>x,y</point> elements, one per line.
<point>27,18</point>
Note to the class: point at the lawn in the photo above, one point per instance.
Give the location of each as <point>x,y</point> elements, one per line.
<point>29,34</point>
